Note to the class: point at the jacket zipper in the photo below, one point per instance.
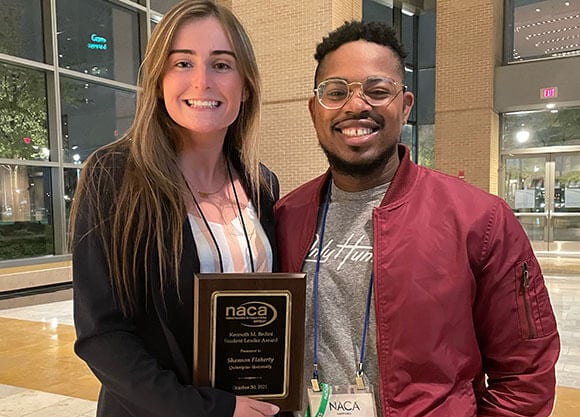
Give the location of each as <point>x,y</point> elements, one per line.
<point>525,295</point>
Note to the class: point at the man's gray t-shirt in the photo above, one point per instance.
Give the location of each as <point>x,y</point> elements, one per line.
<point>346,263</point>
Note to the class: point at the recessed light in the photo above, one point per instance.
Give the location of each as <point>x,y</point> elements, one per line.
<point>522,136</point>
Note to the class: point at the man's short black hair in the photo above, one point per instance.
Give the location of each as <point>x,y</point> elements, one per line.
<point>375,32</point>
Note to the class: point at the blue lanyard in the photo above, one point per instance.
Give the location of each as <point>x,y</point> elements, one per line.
<point>315,295</point>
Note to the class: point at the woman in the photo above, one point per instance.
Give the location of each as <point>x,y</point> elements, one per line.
<point>181,192</point>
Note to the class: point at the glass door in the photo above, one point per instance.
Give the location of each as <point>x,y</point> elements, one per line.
<point>544,192</point>
<point>565,213</point>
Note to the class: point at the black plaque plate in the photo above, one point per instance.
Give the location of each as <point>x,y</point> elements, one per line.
<point>249,335</point>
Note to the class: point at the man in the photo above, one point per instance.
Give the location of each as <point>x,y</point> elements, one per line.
<point>420,286</point>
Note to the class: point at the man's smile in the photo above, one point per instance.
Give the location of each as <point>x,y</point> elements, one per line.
<point>357,127</point>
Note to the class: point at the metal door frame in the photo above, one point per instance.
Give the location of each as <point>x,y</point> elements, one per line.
<point>548,245</point>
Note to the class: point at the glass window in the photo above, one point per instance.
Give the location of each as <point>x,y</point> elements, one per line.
<point>98,38</point>
<point>426,139</point>
<point>21,29</point>
<point>408,39</point>
<point>541,29</point>
<point>426,73</point>
<point>23,114</point>
<point>71,178</point>
<point>426,99</point>
<point>162,6</point>
<point>541,128</point>
<point>426,48</point>
<point>408,137</point>
<point>26,228</point>
<point>421,141</point>
<point>92,115</point>
<point>524,184</point>
<point>378,11</point>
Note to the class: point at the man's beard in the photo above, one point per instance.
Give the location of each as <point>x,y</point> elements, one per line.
<point>358,169</point>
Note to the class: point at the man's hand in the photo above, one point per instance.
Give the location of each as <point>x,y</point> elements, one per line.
<point>248,407</point>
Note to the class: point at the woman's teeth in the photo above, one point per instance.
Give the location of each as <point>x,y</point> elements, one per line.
<point>206,104</point>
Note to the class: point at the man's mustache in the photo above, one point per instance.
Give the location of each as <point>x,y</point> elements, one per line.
<point>377,118</point>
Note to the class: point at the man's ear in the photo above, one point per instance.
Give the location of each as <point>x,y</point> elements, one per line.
<point>408,100</point>
<point>311,104</point>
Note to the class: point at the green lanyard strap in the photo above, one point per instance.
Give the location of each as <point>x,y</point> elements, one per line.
<point>323,401</point>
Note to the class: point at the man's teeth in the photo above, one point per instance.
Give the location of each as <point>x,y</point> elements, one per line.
<point>361,131</point>
<point>206,104</point>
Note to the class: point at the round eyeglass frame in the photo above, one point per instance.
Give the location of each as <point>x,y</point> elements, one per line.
<point>361,93</point>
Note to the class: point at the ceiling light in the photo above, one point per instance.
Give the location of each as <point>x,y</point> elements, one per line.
<point>522,136</point>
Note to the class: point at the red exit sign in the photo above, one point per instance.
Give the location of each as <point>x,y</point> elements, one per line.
<point>549,92</point>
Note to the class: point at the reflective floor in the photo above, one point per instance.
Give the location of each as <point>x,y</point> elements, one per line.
<point>39,374</point>
<point>41,377</point>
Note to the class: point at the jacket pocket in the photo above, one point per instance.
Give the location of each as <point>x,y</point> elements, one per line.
<point>535,314</point>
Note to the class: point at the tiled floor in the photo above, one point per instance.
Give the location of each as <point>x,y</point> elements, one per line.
<point>41,377</point>
<point>565,296</point>
<point>21,402</point>
<point>39,374</point>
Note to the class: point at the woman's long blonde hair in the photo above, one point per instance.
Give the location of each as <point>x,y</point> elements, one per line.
<point>145,220</point>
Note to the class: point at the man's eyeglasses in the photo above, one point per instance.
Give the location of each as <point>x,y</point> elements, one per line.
<point>334,93</point>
